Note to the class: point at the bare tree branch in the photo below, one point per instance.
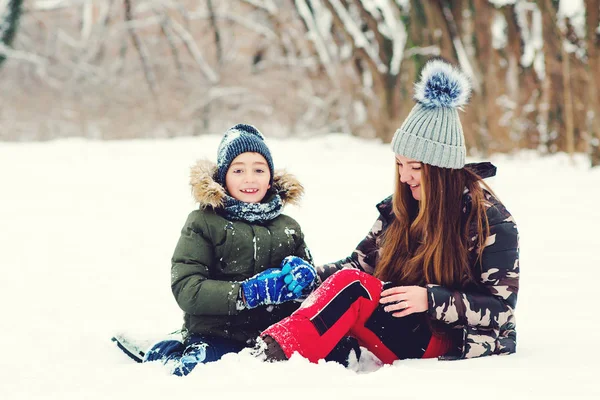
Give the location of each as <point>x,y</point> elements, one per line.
<point>468,65</point>
<point>217,34</point>
<point>359,40</point>
<point>143,53</point>
<point>265,5</point>
<point>23,56</point>
<point>316,36</point>
<point>195,52</point>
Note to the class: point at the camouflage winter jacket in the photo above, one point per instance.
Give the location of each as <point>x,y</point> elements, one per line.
<point>480,320</point>
<point>213,255</point>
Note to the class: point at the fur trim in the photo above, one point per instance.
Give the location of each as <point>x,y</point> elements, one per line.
<point>205,190</point>
<point>208,193</point>
<point>289,187</point>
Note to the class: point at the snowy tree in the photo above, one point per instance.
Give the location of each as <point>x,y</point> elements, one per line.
<point>10,11</point>
<point>526,60</point>
<point>592,17</point>
<point>361,46</point>
<point>124,68</point>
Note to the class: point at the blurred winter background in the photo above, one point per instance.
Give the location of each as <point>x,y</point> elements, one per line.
<point>104,104</point>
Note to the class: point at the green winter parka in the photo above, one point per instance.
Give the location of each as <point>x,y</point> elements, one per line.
<point>213,255</point>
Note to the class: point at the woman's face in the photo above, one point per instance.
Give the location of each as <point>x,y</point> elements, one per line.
<point>410,174</point>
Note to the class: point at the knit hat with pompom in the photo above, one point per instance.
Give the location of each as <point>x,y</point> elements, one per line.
<point>240,139</point>
<point>432,132</point>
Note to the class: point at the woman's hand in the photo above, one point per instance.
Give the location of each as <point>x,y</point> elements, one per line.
<point>404,300</point>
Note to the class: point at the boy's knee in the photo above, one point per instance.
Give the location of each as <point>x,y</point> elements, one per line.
<point>164,350</point>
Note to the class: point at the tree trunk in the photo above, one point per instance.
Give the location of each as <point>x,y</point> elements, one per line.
<point>552,85</point>
<point>568,100</point>
<point>521,88</point>
<point>592,18</point>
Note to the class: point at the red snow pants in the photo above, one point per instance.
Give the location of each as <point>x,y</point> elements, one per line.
<point>347,304</point>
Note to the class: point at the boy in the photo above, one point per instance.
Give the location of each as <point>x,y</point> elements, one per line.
<point>239,261</point>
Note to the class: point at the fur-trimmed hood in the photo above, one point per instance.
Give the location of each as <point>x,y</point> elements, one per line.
<point>208,193</point>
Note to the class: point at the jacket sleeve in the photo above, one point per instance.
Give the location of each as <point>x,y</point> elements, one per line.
<point>302,250</point>
<point>194,290</point>
<point>364,257</point>
<point>493,306</point>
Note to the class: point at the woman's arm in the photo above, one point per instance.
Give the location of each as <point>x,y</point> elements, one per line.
<point>499,277</point>
<point>194,290</point>
<point>364,257</point>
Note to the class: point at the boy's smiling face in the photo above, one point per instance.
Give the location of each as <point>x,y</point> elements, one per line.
<point>248,177</point>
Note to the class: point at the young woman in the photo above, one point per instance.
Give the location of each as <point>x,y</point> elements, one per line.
<point>438,274</point>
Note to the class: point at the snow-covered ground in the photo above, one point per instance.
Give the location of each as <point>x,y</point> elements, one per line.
<point>88,229</point>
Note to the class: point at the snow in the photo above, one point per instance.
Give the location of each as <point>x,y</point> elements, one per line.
<point>316,28</point>
<point>501,3</point>
<point>88,229</point>
<point>4,17</point>
<point>571,8</point>
<point>532,36</point>
<point>575,11</point>
<point>390,26</point>
<point>499,27</point>
<point>358,37</point>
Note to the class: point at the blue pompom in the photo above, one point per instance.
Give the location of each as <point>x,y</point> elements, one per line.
<point>442,85</point>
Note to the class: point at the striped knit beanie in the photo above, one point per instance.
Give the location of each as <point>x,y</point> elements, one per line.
<point>240,139</point>
<point>432,132</point>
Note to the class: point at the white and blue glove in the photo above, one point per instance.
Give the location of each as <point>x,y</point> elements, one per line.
<point>299,275</point>
<point>265,288</point>
<point>275,286</point>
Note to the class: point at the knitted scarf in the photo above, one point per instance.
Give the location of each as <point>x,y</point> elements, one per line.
<point>237,210</point>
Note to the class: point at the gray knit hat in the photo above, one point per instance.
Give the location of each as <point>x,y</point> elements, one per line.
<point>432,132</point>
<point>240,139</point>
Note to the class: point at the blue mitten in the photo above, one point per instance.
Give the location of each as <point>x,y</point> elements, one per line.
<point>299,274</point>
<point>267,287</point>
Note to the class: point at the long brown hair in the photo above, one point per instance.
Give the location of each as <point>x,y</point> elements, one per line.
<point>428,240</point>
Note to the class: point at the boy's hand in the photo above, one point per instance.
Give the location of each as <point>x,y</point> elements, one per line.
<point>299,274</point>
<point>267,287</point>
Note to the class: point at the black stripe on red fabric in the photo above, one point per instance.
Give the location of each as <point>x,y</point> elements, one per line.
<point>338,305</point>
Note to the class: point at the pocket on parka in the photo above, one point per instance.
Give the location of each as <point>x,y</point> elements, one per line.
<point>228,254</point>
